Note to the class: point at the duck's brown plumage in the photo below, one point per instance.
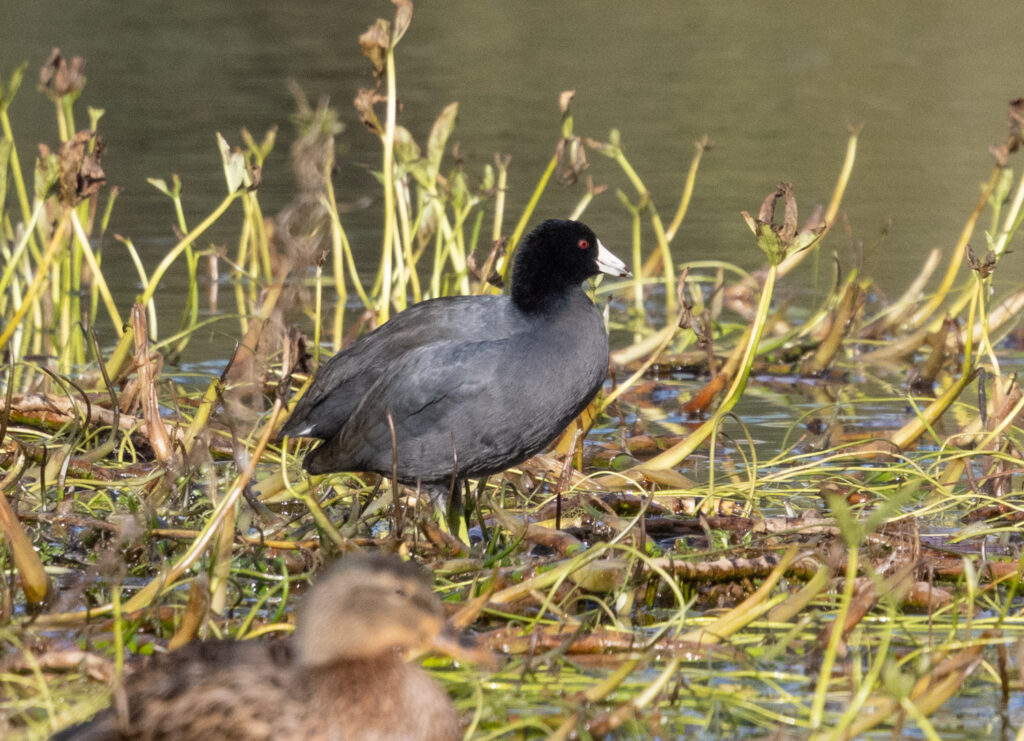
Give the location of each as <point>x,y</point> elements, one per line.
<point>342,677</point>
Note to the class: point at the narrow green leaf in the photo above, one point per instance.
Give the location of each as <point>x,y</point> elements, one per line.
<point>6,145</point>
<point>161,185</point>
<point>47,175</point>
<point>7,94</point>
<point>234,166</point>
<point>440,132</point>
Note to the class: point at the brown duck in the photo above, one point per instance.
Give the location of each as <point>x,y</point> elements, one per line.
<point>342,676</point>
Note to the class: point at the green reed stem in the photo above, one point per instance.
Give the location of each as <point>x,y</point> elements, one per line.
<point>457,248</point>
<point>795,257</point>
<point>259,234</point>
<point>969,334</point>
<point>318,301</point>
<point>671,456</point>
<point>10,269</point>
<point>1011,223</point>
<point>184,244</point>
<point>667,269</point>
<point>42,274</point>
<point>67,105</point>
<point>501,163</point>
<point>118,620</point>
<point>527,214</point>
<point>408,238</point>
<point>82,242</point>
<point>70,278</point>
<point>691,178</point>
<point>143,279</point>
<point>438,268</point>
<point>190,314</point>
<point>638,287</point>
<point>828,660</point>
<point>62,126</point>
<point>581,205</point>
<point>384,303</point>
<point>243,313</point>
<point>870,680</point>
<point>925,313</point>
<point>343,255</point>
<point>15,165</point>
<point>243,252</point>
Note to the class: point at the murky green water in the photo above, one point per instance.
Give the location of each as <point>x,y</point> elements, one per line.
<point>774,86</point>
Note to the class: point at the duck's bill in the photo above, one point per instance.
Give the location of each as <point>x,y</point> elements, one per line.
<point>462,647</point>
<point>610,264</point>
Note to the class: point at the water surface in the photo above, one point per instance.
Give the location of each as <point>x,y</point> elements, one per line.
<point>775,87</point>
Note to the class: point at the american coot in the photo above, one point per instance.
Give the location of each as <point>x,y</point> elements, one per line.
<point>473,384</point>
<point>341,677</point>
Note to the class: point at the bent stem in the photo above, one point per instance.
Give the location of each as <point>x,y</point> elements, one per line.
<point>702,145</point>
<point>828,660</point>
<point>527,214</point>
<point>673,455</point>
<point>184,244</point>
<point>997,244</point>
<point>97,275</point>
<point>793,259</point>
<point>926,311</point>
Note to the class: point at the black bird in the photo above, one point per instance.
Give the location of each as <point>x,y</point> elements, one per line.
<point>342,677</point>
<point>474,384</point>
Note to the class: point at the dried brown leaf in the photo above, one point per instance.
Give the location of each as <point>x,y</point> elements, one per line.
<point>1016,116</point>
<point>789,220</point>
<point>403,17</point>
<point>564,99</point>
<point>81,175</point>
<point>374,42</point>
<point>364,102</point>
<point>59,77</point>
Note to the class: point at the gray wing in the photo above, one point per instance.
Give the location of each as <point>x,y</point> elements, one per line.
<point>341,383</point>
<point>450,401</point>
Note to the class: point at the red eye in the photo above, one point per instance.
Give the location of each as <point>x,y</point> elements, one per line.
<point>583,244</point>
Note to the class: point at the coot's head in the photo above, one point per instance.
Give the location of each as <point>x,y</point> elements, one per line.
<point>557,256</point>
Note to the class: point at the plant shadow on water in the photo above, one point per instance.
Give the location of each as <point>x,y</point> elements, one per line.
<point>792,514</point>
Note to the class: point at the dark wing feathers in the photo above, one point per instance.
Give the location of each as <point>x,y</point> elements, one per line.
<point>437,413</point>
<point>342,382</point>
<point>423,390</point>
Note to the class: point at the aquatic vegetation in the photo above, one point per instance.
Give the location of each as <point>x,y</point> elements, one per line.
<point>659,572</point>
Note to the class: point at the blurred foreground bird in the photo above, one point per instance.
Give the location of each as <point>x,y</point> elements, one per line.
<point>343,675</point>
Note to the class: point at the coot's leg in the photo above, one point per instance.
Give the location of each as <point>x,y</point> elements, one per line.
<point>476,505</point>
<point>455,507</point>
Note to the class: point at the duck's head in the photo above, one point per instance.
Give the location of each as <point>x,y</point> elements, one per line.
<point>370,605</point>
